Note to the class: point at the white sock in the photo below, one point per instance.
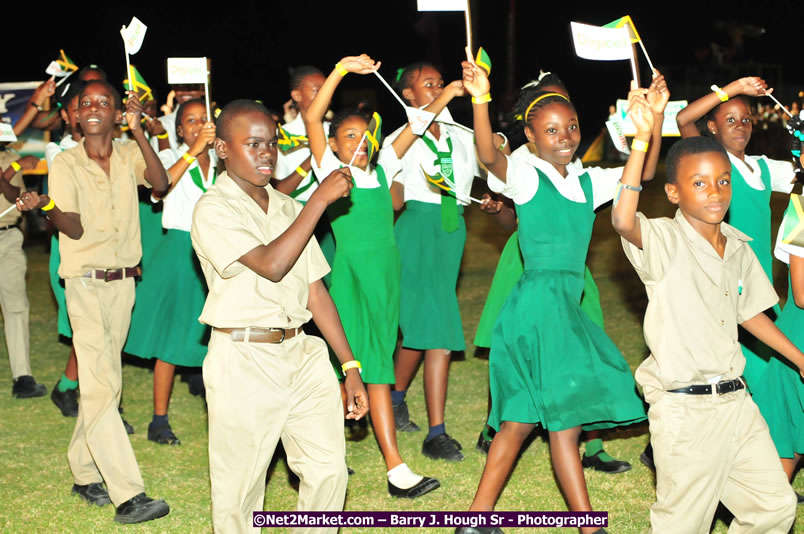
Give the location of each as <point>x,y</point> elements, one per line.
<point>402,477</point>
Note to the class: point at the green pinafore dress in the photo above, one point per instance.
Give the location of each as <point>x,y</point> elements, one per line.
<point>751,214</point>
<point>365,277</point>
<point>547,356</point>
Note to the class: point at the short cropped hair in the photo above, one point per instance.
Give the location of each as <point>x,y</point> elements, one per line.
<point>687,147</point>
<point>298,74</point>
<point>232,109</point>
<point>118,101</point>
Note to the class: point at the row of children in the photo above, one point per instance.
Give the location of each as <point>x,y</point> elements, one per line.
<point>275,263</point>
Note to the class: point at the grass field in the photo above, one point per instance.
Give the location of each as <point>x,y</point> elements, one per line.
<point>35,480</point>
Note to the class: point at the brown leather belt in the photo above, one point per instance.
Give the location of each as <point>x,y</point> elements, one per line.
<point>110,275</point>
<point>255,334</point>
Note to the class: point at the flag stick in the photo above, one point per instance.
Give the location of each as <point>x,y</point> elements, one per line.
<point>644,51</point>
<point>390,89</point>
<point>128,64</point>
<point>58,84</point>
<point>206,92</point>
<point>780,104</point>
<point>14,206</point>
<point>354,155</point>
<point>633,66</point>
<point>468,17</point>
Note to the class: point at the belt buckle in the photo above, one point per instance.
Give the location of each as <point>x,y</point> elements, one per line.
<point>278,329</point>
<point>106,273</point>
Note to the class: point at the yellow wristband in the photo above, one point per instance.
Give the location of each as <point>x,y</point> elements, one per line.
<point>351,365</point>
<point>163,136</point>
<point>720,93</point>
<point>16,166</point>
<point>341,70</point>
<point>481,99</point>
<point>301,172</point>
<point>188,158</point>
<point>49,206</point>
<point>639,145</point>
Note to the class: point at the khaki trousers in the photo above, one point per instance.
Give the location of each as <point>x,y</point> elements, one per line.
<point>100,313</point>
<point>711,449</point>
<point>257,394</point>
<point>14,301</point>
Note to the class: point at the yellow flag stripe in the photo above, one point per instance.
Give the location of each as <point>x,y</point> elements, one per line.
<point>796,201</point>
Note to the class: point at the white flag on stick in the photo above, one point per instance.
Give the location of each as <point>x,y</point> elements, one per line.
<point>602,44</point>
<point>190,70</point>
<point>133,35</point>
<point>7,133</point>
<point>441,5</point>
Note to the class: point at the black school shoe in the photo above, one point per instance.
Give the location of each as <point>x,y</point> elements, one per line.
<point>647,457</point>
<point>425,485</point>
<point>25,387</point>
<point>66,401</point>
<point>141,508</point>
<point>611,466</point>
<point>483,444</point>
<point>442,447</point>
<point>162,434</point>
<point>402,418</point>
<point>93,493</point>
<point>478,530</point>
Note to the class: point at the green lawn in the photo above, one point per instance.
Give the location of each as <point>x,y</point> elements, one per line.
<point>35,480</point>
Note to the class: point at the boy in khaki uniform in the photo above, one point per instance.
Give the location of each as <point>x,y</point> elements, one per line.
<point>13,298</point>
<point>93,204</point>
<point>709,440</point>
<point>265,378</point>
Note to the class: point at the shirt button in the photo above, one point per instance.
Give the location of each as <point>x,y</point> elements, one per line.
<point>727,293</point>
<point>722,323</point>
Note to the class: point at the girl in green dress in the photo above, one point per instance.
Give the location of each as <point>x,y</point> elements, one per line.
<point>366,268</point>
<point>541,326</point>
<point>727,118</point>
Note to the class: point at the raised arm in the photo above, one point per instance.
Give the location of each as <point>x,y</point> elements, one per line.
<point>476,83</point>
<point>406,138</point>
<point>202,143</point>
<point>658,96</point>
<point>155,172</point>
<point>623,214</point>
<point>37,100</point>
<point>797,279</point>
<point>274,260</point>
<point>687,117</point>
<point>314,118</point>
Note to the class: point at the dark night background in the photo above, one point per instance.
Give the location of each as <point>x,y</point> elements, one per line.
<point>253,43</point>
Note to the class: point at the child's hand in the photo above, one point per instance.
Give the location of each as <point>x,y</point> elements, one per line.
<point>30,201</point>
<point>361,64</point>
<point>356,397</point>
<point>489,205</point>
<point>28,162</point>
<point>154,126</point>
<point>475,79</point>
<point>750,85</point>
<point>133,111</point>
<point>44,92</point>
<point>658,93</point>
<point>639,110</point>
<point>456,88</point>
<point>204,140</point>
<point>336,185</point>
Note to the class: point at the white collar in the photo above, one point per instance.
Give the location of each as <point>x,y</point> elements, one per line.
<point>752,176</point>
<point>569,187</point>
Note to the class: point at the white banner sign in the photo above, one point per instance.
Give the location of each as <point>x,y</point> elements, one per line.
<point>602,44</point>
<point>133,35</point>
<point>187,70</point>
<point>669,127</point>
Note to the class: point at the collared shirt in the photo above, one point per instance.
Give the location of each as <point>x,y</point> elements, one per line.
<point>177,213</point>
<point>52,149</point>
<point>8,156</point>
<point>522,179</point>
<point>696,299</point>
<point>227,224</point>
<point>464,163</point>
<point>287,162</point>
<point>363,180</point>
<point>781,172</point>
<point>107,206</point>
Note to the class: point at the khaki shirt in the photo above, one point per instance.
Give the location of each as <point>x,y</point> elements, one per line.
<point>227,224</point>
<point>6,158</point>
<point>107,206</point>
<point>696,299</point>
